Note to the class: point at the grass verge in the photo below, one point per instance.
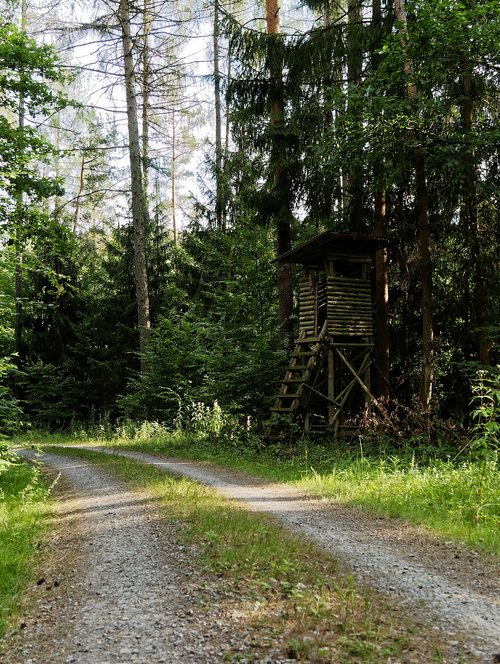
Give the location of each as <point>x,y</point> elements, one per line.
<point>24,508</point>
<point>290,595</point>
<point>455,499</point>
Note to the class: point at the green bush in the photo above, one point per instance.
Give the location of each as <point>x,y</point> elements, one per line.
<point>10,411</point>
<point>191,362</point>
<point>51,395</point>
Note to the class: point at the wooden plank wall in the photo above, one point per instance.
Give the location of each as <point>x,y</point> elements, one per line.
<point>350,307</point>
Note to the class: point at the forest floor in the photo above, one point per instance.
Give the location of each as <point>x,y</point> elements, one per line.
<point>119,586</point>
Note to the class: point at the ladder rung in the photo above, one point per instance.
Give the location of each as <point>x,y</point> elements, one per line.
<point>307,340</point>
<point>302,353</point>
<point>281,410</point>
<point>296,367</point>
<point>287,395</point>
<point>293,380</point>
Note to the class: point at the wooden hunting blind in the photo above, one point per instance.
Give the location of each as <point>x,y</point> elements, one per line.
<point>328,375</point>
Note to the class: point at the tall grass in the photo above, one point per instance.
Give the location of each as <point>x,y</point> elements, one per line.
<point>459,501</point>
<point>24,507</point>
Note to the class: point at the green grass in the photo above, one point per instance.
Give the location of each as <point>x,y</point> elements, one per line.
<point>457,500</point>
<point>290,593</point>
<point>24,508</point>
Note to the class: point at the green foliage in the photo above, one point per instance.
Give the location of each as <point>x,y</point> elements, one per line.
<point>221,347</point>
<point>191,361</point>
<point>79,316</point>
<point>10,412</point>
<point>213,297</point>
<point>50,395</point>
<point>174,372</point>
<point>7,302</point>
<point>27,72</point>
<point>26,67</point>
<point>486,400</point>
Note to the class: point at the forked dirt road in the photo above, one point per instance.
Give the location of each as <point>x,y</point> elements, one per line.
<point>141,601</point>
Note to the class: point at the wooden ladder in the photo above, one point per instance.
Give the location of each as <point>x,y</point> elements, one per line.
<point>303,361</point>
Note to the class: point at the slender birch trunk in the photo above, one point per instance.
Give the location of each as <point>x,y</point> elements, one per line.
<point>226,147</point>
<point>18,241</point>
<point>173,178</point>
<point>218,121</point>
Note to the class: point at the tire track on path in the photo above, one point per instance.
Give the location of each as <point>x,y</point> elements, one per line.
<point>443,585</point>
<point>130,594</point>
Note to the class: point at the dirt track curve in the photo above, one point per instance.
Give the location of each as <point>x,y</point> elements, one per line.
<point>134,603</point>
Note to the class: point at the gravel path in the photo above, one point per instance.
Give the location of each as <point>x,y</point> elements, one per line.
<point>131,594</point>
<point>442,582</point>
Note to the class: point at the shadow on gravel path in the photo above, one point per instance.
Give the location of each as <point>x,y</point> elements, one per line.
<point>128,592</point>
<point>443,583</point>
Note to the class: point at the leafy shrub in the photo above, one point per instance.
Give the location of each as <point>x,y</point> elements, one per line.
<point>10,411</point>
<point>486,400</point>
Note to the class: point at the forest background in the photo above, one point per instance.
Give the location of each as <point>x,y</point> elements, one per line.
<point>125,297</point>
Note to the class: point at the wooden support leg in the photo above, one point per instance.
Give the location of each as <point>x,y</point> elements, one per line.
<point>331,387</point>
<point>367,381</point>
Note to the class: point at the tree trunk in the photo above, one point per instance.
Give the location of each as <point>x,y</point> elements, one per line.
<point>382,357</point>
<point>333,185</point>
<point>480,298</point>
<point>81,185</point>
<point>226,194</point>
<point>138,206</point>
<point>283,229</point>
<point>422,206</point>
<point>19,315</point>
<point>218,121</point>
<point>146,82</point>
<point>272,17</point>
<point>354,68</point>
<point>18,271</point>
<point>174,166</point>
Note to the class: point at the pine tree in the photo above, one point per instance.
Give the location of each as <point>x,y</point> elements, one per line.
<point>139,215</point>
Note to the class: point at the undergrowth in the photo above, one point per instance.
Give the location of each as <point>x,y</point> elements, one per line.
<point>24,507</point>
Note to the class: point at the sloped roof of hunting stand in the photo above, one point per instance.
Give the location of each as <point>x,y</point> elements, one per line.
<point>312,253</point>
